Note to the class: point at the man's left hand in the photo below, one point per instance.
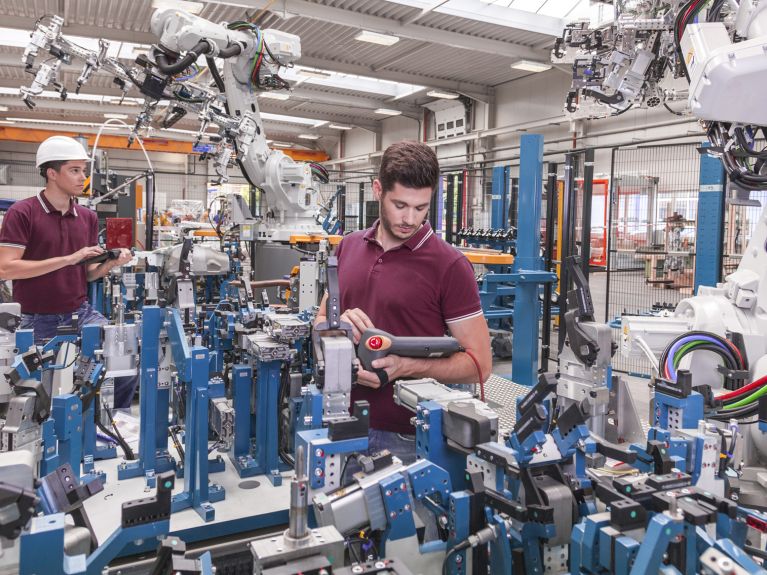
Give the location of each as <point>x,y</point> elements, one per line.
<point>125,256</point>
<point>396,366</point>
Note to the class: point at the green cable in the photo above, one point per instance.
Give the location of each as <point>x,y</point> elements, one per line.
<point>750,399</point>
<point>683,350</point>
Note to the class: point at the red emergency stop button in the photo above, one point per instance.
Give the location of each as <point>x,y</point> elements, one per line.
<point>375,342</point>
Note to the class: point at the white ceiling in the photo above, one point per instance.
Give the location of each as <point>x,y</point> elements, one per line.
<point>464,46</point>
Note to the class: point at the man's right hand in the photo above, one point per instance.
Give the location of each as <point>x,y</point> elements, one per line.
<point>84,254</point>
<point>359,322</point>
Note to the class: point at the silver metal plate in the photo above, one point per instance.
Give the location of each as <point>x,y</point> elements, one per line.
<point>501,394</point>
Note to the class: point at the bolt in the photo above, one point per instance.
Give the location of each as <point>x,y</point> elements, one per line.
<point>393,514</point>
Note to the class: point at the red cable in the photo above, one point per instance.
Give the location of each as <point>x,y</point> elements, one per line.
<point>758,383</point>
<point>479,374</point>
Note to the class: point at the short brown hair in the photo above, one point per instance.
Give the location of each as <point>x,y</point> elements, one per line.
<point>54,164</point>
<point>410,164</point>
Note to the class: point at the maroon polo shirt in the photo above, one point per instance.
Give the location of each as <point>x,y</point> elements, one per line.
<point>415,289</point>
<point>44,232</point>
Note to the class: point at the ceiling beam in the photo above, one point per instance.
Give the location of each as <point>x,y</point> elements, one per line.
<point>506,16</point>
<point>112,34</point>
<point>424,11</point>
<point>323,13</point>
<point>475,91</point>
<point>404,56</point>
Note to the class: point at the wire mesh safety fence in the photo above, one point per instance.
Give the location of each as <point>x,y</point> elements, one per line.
<point>653,209</point>
<point>740,221</point>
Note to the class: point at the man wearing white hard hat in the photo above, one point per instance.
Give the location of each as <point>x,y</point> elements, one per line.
<point>42,242</point>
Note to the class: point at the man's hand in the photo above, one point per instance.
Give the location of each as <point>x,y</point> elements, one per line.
<point>125,256</point>
<point>84,254</point>
<point>395,366</point>
<point>359,322</point>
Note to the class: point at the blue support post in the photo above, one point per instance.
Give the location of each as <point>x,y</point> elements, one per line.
<point>90,341</point>
<point>458,527</point>
<point>431,444</point>
<point>267,396</point>
<point>153,439</point>
<point>499,213</point>
<point>50,460</point>
<point>528,264</point>
<point>68,417</point>
<point>197,494</point>
<point>708,232</point>
<point>241,454</point>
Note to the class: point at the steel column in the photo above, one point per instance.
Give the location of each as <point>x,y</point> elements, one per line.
<point>708,232</point>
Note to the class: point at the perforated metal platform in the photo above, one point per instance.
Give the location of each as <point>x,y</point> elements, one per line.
<point>501,394</point>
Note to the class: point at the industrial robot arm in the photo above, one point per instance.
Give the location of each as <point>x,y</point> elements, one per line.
<point>168,81</point>
<point>655,52</point>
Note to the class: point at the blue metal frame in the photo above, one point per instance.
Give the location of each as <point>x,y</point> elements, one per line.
<point>708,232</point>
<point>528,263</point>
<point>499,211</point>
<point>153,456</point>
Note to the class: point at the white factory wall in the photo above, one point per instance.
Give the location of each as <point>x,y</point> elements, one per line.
<point>539,98</point>
<point>397,129</point>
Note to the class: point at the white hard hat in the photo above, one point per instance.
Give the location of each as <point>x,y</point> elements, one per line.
<point>58,148</point>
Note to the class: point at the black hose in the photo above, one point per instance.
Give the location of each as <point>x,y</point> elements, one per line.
<point>161,58</point>
<point>116,436</point>
<point>214,73</point>
<point>231,50</point>
<point>739,413</point>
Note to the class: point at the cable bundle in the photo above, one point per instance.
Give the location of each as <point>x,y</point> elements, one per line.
<point>319,173</point>
<point>699,341</point>
<point>262,49</point>
<point>739,404</point>
<point>743,402</point>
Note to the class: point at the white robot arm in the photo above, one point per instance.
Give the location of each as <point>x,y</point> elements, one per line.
<point>166,80</point>
<point>652,43</point>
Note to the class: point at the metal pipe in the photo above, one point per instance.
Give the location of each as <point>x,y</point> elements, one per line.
<point>297,521</point>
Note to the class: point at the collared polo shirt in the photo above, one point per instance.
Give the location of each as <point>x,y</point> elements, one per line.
<point>44,232</point>
<point>416,289</point>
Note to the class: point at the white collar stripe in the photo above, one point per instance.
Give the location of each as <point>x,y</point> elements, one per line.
<point>42,203</point>
<point>423,241</point>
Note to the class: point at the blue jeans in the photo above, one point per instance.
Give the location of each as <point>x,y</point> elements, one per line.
<point>46,324</point>
<point>401,446</point>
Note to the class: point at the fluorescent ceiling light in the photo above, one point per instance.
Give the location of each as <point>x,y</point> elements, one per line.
<point>311,73</point>
<point>337,127</point>
<point>376,38</point>
<point>274,95</point>
<point>290,119</point>
<point>3,108</point>
<point>191,7</point>
<point>531,66</point>
<point>387,112</point>
<point>440,94</point>
<point>281,145</point>
<point>300,75</point>
<point>65,123</point>
<point>309,136</point>
<point>116,116</point>
<point>7,122</point>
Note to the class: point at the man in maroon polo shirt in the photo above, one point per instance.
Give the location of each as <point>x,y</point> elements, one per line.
<point>400,277</point>
<point>42,242</point>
